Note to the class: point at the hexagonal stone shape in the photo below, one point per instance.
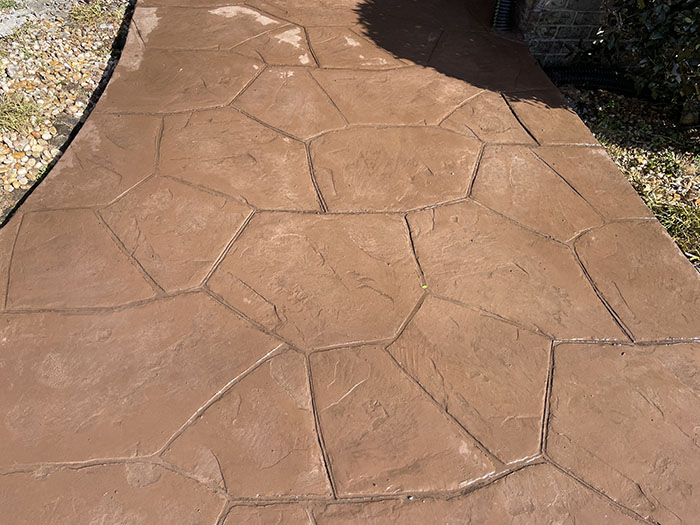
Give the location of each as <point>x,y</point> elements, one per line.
<point>259,439</point>
<point>67,259</point>
<point>226,26</point>
<point>176,232</point>
<point>290,99</point>
<point>392,169</point>
<point>488,374</point>
<point>645,401</point>
<point>597,179</point>
<point>111,154</point>
<point>137,493</point>
<point>162,81</point>
<point>75,387</point>
<point>488,117</point>
<point>382,433</point>
<point>226,151</point>
<point>470,254</point>
<point>514,182</point>
<point>645,278</point>
<point>395,97</point>
<point>344,48</point>
<point>322,280</point>
<point>538,494</point>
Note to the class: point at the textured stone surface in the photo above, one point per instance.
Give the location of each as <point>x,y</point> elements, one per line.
<point>223,150</point>
<point>488,374</point>
<point>596,178</point>
<point>656,297</point>
<point>259,439</point>
<point>512,181</point>
<point>539,494</point>
<point>67,259</point>
<point>383,435</point>
<point>645,401</point>
<point>110,154</point>
<point>137,493</point>
<point>291,100</point>
<point>398,96</point>
<point>488,116</point>
<point>226,26</point>
<point>303,276</point>
<point>344,48</point>
<point>392,169</point>
<point>286,46</point>
<point>8,235</point>
<point>546,114</point>
<point>486,60</point>
<point>175,80</point>
<point>163,222</point>
<point>264,515</point>
<point>472,255</point>
<point>118,383</point>
<point>312,12</point>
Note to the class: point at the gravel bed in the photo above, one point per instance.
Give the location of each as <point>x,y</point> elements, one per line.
<point>51,66</point>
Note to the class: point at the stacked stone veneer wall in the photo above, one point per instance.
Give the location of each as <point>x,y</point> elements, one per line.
<point>553,28</point>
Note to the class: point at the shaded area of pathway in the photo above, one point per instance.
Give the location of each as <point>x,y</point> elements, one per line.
<point>341,262</point>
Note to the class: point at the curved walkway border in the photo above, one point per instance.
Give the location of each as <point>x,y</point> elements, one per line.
<point>341,262</point>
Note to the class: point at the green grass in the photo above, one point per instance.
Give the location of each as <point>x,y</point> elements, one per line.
<point>16,113</point>
<point>682,221</point>
<point>94,12</point>
<point>9,4</point>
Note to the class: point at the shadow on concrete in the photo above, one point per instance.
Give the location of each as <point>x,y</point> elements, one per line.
<point>454,37</point>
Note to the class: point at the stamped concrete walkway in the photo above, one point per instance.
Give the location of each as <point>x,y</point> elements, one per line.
<point>324,261</point>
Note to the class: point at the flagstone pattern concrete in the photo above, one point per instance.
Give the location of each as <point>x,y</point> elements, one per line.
<point>285,274</point>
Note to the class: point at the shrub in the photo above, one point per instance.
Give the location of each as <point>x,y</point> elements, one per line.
<point>658,43</point>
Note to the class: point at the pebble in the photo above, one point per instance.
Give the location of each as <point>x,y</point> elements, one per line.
<point>55,66</point>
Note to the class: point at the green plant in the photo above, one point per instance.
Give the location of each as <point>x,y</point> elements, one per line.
<point>658,41</point>
<point>683,224</point>
<point>94,12</point>
<point>8,4</point>
<point>16,113</point>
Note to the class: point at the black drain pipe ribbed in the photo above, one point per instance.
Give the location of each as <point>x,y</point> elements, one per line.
<point>503,15</point>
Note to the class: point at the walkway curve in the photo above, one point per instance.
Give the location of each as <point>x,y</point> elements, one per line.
<point>341,262</point>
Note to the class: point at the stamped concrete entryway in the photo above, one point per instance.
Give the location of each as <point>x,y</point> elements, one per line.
<point>345,261</point>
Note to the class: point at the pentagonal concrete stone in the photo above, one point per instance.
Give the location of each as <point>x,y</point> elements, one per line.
<point>392,169</point>
<point>470,254</point>
<point>303,276</point>
<point>645,401</point>
<point>489,375</point>
<point>398,96</point>
<point>342,47</point>
<point>226,26</point>
<point>226,151</point>
<point>290,99</point>
<point>645,278</point>
<point>264,514</point>
<point>111,154</point>
<point>382,433</point>
<point>488,116</point>
<point>597,179</point>
<point>176,232</point>
<point>67,259</point>
<point>150,80</point>
<point>286,46</point>
<point>514,182</point>
<point>539,494</point>
<point>260,438</point>
<point>137,493</point>
<point>80,386</point>
<point>547,115</point>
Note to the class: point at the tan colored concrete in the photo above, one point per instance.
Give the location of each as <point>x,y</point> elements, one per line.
<point>341,262</point>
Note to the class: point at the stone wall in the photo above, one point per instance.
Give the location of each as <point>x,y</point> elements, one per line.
<point>553,28</point>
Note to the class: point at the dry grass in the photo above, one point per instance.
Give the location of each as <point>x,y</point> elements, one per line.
<point>16,112</point>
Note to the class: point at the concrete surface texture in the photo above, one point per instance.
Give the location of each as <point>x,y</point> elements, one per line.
<point>341,262</point>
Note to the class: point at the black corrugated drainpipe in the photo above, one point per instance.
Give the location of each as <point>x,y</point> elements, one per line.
<point>503,15</point>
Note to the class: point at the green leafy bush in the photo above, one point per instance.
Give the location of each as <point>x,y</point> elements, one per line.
<point>658,42</point>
